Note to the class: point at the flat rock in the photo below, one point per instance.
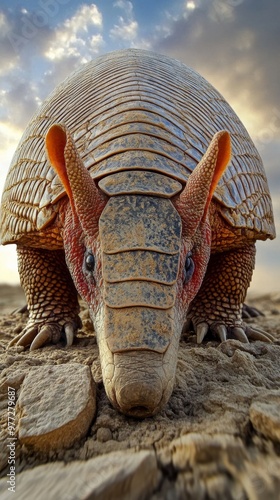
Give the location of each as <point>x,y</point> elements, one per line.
<point>219,466</point>
<point>56,406</point>
<point>116,475</point>
<point>265,414</point>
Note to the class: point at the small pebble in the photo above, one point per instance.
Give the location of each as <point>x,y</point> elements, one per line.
<point>18,329</point>
<point>104,434</point>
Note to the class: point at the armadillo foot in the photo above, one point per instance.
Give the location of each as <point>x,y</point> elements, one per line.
<point>242,332</point>
<point>37,335</point>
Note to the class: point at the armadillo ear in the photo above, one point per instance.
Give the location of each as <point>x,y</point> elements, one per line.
<point>195,198</point>
<point>83,194</point>
<point>56,140</point>
<point>220,147</point>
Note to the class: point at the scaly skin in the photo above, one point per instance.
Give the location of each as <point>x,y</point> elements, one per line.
<point>218,305</point>
<point>51,297</point>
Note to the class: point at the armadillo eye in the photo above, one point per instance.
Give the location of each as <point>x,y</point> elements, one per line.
<point>189,268</point>
<point>90,262</point>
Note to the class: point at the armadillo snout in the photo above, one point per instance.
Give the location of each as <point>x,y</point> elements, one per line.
<point>138,398</point>
<point>140,386</point>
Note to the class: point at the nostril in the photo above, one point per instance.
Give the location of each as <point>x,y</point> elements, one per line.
<point>139,411</point>
<point>138,398</point>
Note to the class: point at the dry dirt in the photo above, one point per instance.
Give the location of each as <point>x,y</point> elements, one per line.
<point>218,437</point>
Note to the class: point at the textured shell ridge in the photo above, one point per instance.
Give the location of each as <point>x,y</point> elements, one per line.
<point>135,110</point>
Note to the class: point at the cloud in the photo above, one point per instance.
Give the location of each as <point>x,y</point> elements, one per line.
<point>232,43</point>
<point>9,138</point>
<point>124,30</point>
<point>24,46</point>
<point>271,154</point>
<point>125,5</point>
<point>127,27</point>
<point>86,16</point>
<point>78,36</point>
<point>19,101</point>
<point>25,32</point>
<point>9,58</point>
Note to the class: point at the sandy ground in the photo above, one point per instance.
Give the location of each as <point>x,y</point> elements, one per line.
<point>215,388</point>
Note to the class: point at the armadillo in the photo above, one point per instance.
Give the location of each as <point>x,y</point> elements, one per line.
<point>137,187</point>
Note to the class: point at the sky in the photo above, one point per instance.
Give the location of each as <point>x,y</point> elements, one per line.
<point>234,44</point>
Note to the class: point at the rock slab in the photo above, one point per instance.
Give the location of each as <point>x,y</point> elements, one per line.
<point>56,406</point>
<point>117,475</point>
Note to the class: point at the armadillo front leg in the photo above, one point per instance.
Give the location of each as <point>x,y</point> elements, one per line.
<point>218,304</point>
<point>51,298</point>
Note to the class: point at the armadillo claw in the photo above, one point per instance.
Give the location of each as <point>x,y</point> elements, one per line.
<point>254,333</point>
<point>220,330</point>
<point>49,333</point>
<point>241,332</point>
<point>37,335</point>
<point>25,337</point>
<point>201,330</point>
<point>69,333</point>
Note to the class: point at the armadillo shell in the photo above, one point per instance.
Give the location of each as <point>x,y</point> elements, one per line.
<point>139,182</point>
<point>138,328</point>
<point>154,266</point>
<point>132,226</point>
<point>139,293</point>
<point>128,110</point>
<point>136,222</point>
